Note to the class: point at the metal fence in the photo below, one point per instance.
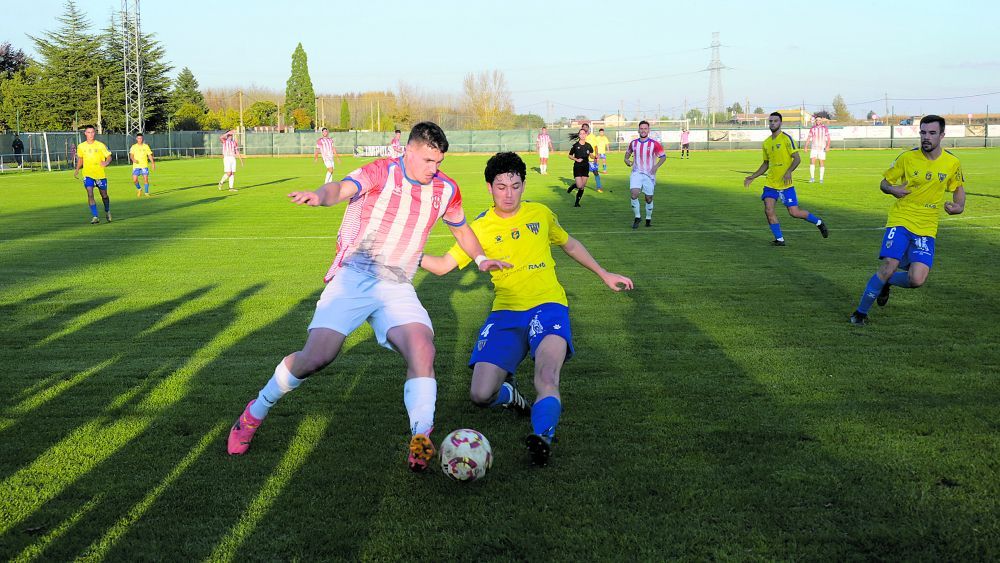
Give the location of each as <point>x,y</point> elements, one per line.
<point>55,150</point>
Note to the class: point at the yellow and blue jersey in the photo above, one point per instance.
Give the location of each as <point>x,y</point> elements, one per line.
<point>778,152</point>
<point>600,143</point>
<point>140,155</point>
<point>93,154</point>
<point>524,240</point>
<point>927,180</point>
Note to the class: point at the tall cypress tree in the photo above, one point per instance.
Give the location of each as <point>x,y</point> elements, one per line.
<point>299,92</point>
<point>345,114</point>
<point>186,91</point>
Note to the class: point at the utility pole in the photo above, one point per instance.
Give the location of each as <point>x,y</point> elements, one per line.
<point>100,128</point>
<point>379,106</point>
<point>242,128</point>
<point>887,107</point>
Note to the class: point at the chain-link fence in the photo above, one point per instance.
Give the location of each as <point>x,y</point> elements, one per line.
<point>56,150</point>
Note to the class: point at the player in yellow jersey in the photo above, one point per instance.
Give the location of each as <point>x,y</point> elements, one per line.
<point>142,162</point>
<point>601,143</point>
<point>530,311</point>
<point>780,159</point>
<point>93,156</point>
<point>918,179</point>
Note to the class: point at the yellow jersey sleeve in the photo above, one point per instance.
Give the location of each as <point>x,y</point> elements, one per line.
<point>459,255</point>
<point>557,235</point>
<point>957,180</point>
<point>895,172</point>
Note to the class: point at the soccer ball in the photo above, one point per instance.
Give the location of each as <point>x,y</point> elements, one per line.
<point>466,455</point>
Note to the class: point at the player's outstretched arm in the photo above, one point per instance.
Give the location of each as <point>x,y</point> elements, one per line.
<point>578,252</point>
<point>957,203</point>
<point>469,244</point>
<point>438,265</point>
<point>760,172</point>
<point>326,195</point>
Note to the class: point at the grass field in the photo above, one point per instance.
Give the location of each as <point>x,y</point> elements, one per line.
<point>724,409</point>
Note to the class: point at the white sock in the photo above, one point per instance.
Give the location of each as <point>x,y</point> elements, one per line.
<point>649,210</point>
<point>419,396</point>
<point>329,177</point>
<point>812,171</point>
<point>280,383</point>
<point>232,179</point>
<point>224,176</point>
<point>543,167</point>
<point>822,170</point>
<point>635,207</point>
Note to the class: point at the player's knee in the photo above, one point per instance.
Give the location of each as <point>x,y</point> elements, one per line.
<point>482,398</point>
<point>310,362</point>
<point>547,380</point>
<point>917,279</point>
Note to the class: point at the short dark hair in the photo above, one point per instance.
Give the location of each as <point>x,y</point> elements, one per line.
<point>89,127</point>
<point>324,129</point>
<point>643,121</point>
<point>398,131</point>
<point>505,163</point>
<point>428,133</point>
<point>138,134</point>
<point>933,119</point>
<point>778,115</point>
<point>601,129</point>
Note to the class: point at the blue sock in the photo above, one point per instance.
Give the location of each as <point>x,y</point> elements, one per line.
<point>503,397</point>
<point>545,416</point>
<point>872,290</point>
<point>147,188</point>
<point>137,185</point>
<point>93,210</point>
<point>900,279</point>
<point>813,219</point>
<point>776,229</point>
<point>598,178</point>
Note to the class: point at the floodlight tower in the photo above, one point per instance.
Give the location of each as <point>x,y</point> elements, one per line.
<point>715,99</point>
<point>132,62</point>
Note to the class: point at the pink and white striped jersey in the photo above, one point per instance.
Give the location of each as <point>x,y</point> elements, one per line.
<point>819,136</point>
<point>325,146</point>
<point>685,135</point>
<point>230,147</point>
<point>395,147</point>
<point>543,141</point>
<point>645,154</point>
<point>386,225</point>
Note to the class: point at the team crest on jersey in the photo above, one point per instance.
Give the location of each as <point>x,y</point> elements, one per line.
<point>533,227</point>
<point>515,233</point>
<point>436,203</point>
<point>499,238</point>
<point>928,176</point>
<point>942,176</point>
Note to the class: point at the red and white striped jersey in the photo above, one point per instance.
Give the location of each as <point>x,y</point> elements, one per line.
<point>543,141</point>
<point>395,147</point>
<point>819,136</point>
<point>645,153</point>
<point>386,225</point>
<point>325,146</point>
<point>230,147</point>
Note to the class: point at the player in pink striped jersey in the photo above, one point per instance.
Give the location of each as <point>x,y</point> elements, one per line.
<point>395,146</point>
<point>544,144</point>
<point>819,140</point>
<point>393,204</point>
<point>645,156</point>
<point>230,152</point>
<point>326,148</point>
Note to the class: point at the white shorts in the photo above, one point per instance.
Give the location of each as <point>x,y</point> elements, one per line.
<point>329,163</point>
<point>229,163</point>
<point>352,298</point>
<point>543,153</point>
<point>644,182</point>
<point>817,154</point>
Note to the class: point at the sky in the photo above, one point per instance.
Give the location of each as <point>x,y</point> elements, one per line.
<point>586,58</point>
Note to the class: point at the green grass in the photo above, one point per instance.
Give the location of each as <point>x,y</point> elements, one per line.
<point>724,409</point>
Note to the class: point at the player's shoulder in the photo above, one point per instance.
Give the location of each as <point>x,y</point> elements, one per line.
<point>448,180</point>
<point>950,157</point>
<point>789,138</point>
<point>534,208</point>
<point>907,155</point>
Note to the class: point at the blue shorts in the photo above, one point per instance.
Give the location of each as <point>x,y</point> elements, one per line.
<point>508,336</point>
<point>602,155</point>
<point>786,196</point>
<point>101,184</point>
<point>907,247</point>
<point>593,166</point>
<point>140,171</point>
